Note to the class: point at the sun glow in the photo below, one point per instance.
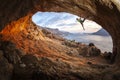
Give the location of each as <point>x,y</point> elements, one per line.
<point>15,27</point>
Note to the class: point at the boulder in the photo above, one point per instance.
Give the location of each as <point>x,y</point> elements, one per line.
<point>108,56</point>
<point>93,51</point>
<point>30,59</point>
<point>71,43</point>
<point>27,67</point>
<point>11,53</point>
<point>90,50</point>
<point>6,69</point>
<point>13,57</point>
<point>72,52</point>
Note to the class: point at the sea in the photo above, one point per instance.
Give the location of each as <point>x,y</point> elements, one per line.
<point>104,43</point>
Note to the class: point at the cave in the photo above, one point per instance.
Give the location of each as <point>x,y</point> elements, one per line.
<point>16,15</point>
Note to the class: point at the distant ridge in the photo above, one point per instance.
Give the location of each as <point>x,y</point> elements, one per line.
<point>101,32</point>
<point>57,31</point>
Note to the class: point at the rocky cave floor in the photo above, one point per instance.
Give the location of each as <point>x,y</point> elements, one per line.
<point>38,54</point>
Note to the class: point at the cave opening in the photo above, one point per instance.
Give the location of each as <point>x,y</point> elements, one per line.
<point>67,23</point>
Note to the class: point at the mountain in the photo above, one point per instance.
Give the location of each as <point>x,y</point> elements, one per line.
<point>56,31</point>
<point>101,32</point>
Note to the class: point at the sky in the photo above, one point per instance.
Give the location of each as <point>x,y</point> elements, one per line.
<point>64,22</point>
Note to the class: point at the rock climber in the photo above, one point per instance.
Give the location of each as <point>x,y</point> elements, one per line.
<point>81,21</point>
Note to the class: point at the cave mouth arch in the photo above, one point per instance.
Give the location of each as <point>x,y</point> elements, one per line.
<point>67,22</point>
<point>98,9</point>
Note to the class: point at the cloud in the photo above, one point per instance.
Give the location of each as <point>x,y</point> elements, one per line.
<point>64,22</point>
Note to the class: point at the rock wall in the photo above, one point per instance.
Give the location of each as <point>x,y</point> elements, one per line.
<point>104,12</point>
